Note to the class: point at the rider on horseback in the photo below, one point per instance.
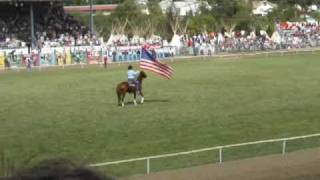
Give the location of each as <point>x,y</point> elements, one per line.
<point>132,76</point>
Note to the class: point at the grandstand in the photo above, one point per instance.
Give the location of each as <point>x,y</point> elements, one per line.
<point>33,20</point>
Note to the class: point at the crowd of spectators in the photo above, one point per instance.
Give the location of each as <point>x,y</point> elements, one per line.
<point>52,25</point>
<point>55,28</point>
<point>286,36</point>
<point>294,35</point>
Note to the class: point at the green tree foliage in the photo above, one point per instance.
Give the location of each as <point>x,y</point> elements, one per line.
<point>316,16</point>
<point>230,13</point>
<point>129,16</point>
<point>224,14</point>
<point>157,21</point>
<point>127,10</point>
<point>202,23</point>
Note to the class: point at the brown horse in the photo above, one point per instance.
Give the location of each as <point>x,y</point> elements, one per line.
<point>124,88</point>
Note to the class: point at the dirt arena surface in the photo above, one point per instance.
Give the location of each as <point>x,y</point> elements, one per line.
<point>301,165</point>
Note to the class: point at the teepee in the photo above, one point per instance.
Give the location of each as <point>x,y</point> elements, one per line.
<point>276,37</point>
<point>178,26</point>
<point>118,33</point>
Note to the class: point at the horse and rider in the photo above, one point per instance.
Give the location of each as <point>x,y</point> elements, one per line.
<point>133,85</point>
<point>132,77</point>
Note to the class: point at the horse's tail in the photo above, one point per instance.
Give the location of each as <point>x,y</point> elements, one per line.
<point>118,92</point>
<point>121,90</point>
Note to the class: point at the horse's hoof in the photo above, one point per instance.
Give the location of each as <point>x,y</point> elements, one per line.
<point>142,100</point>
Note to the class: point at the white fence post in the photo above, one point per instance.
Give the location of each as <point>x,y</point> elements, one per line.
<point>220,155</point>
<point>148,166</point>
<point>284,147</point>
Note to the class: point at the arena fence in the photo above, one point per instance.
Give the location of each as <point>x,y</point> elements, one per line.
<point>100,62</point>
<point>219,148</point>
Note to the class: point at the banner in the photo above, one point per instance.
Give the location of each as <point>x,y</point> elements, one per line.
<point>78,57</point>
<point>68,57</point>
<point>93,57</point>
<point>1,61</point>
<point>15,60</point>
<point>35,59</point>
<point>46,59</point>
<point>60,59</point>
<point>53,59</point>
<point>43,60</point>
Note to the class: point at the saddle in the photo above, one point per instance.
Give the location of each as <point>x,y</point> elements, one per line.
<point>133,86</point>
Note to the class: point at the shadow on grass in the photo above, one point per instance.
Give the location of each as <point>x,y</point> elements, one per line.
<point>148,101</point>
<point>156,100</point>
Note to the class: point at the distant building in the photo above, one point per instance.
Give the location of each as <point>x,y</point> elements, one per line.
<point>107,8</point>
<point>143,5</point>
<point>104,8</point>
<point>184,7</point>
<point>262,8</point>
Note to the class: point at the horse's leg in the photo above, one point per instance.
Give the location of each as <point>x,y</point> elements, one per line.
<point>134,97</point>
<point>122,99</point>
<point>119,99</point>
<point>142,97</point>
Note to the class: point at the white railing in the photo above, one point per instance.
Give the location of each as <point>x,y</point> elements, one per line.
<point>220,148</point>
<point>239,54</point>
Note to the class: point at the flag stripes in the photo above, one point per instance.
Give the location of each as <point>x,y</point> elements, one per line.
<point>148,62</point>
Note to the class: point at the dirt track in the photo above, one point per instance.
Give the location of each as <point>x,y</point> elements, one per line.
<point>302,165</point>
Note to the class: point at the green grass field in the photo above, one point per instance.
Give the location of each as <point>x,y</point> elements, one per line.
<point>73,112</point>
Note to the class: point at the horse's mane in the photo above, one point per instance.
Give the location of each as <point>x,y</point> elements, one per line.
<point>142,74</point>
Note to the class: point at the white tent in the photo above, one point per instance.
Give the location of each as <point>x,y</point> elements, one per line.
<point>264,33</point>
<point>176,41</point>
<point>252,35</point>
<point>220,38</point>
<point>276,37</point>
<point>111,39</point>
<point>123,39</point>
<point>153,39</point>
<point>137,39</point>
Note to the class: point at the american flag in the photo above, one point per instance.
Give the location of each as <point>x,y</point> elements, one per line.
<point>149,62</point>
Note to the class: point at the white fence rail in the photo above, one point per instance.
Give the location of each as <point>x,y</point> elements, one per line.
<point>220,148</point>
<point>222,55</point>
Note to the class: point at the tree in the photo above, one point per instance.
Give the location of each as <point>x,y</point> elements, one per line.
<point>156,21</point>
<point>316,16</point>
<point>202,23</point>
<point>128,11</point>
<point>154,8</point>
<point>177,23</point>
<point>230,13</point>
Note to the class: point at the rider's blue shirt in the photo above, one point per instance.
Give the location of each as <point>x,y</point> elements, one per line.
<point>132,74</point>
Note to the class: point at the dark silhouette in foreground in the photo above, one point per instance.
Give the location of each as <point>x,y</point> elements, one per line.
<point>58,169</point>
